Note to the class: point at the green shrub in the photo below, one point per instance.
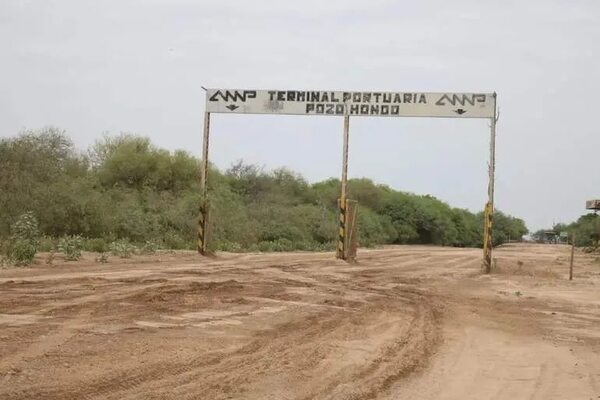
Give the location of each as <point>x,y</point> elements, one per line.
<point>47,244</point>
<point>265,247</point>
<point>24,240</point>
<point>226,245</point>
<point>284,245</point>
<point>22,252</point>
<point>174,241</point>
<point>150,247</point>
<point>304,245</point>
<point>328,246</point>
<point>27,228</point>
<point>4,245</point>
<point>71,247</point>
<point>96,245</point>
<point>281,244</point>
<point>122,248</point>
<point>374,229</point>
<point>126,187</point>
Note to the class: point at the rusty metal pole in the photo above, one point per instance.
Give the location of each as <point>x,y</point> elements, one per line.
<point>341,247</point>
<point>203,217</point>
<point>489,208</point>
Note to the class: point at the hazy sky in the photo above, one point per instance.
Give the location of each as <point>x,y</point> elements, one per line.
<point>138,66</point>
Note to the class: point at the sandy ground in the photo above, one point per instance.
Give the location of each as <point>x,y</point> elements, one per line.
<point>407,322</point>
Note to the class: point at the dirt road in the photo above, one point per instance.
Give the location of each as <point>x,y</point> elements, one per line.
<point>408,322</point>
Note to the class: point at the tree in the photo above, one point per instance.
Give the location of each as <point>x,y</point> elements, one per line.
<point>126,189</point>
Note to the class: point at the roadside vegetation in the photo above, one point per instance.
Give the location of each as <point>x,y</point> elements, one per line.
<point>586,230</point>
<point>124,195</point>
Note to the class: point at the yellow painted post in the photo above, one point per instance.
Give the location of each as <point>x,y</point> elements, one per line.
<point>485,264</point>
<point>341,245</point>
<point>204,207</point>
<point>487,238</point>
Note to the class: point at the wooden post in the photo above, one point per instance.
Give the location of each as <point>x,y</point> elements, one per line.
<point>341,247</point>
<point>489,207</point>
<point>572,256</point>
<point>351,244</point>
<point>204,207</point>
<point>597,229</point>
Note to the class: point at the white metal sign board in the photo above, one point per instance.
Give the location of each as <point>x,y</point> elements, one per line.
<point>377,104</point>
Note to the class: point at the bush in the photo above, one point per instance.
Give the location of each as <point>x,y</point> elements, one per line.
<point>97,245</point>
<point>4,246</point>
<point>374,229</point>
<point>22,252</point>
<point>281,244</point>
<point>122,248</point>
<point>71,247</point>
<point>47,244</point>
<point>125,187</point>
<point>150,247</point>
<point>232,247</point>
<point>26,228</point>
<point>24,240</point>
<point>174,241</point>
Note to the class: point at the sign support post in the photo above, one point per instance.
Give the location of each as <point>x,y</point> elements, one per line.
<point>343,231</point>
<point>572,256</point>
<point>204,206</point>
<point>489,207</point>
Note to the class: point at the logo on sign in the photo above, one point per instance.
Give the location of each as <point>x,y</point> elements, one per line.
<point>462,99</point>
<point>233,95</point>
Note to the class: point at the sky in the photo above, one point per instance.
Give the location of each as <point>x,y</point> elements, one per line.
<point>95,67</point>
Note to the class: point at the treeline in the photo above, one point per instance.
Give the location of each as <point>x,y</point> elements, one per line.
<point>125,188</point>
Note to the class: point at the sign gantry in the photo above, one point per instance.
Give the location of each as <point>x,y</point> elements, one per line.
<point>348,104</point>
<point>332,103</point>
